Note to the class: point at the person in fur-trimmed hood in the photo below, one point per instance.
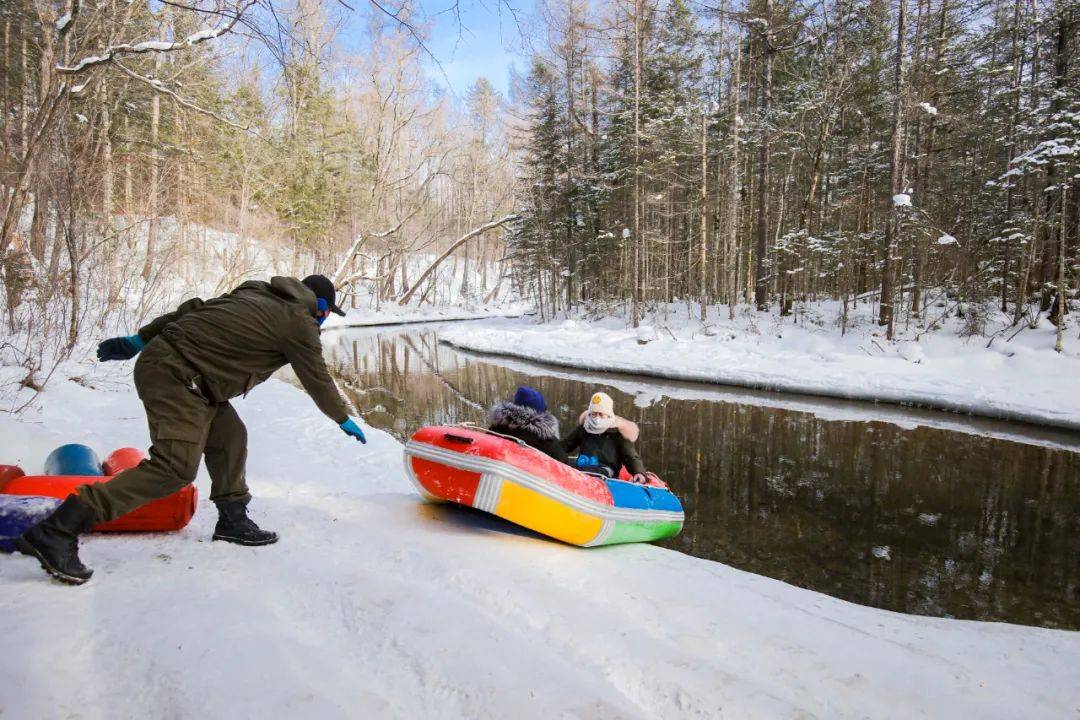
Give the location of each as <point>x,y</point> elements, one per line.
<point>527,419</point>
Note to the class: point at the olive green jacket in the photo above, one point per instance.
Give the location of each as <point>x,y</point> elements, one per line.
<point>240,339</point>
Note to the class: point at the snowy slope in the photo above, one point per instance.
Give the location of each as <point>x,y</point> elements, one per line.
<point>1019,380</point>
<point>375,605</point>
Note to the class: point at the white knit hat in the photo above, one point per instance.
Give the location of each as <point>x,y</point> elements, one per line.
<point>602,403</point>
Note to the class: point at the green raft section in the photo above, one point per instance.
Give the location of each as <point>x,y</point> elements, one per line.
<point>642,497</point>
<point>630,532</point>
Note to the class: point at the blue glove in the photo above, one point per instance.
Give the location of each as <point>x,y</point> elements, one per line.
<point>587,461</point>
<point>352,429</point>
<point>120,348</point>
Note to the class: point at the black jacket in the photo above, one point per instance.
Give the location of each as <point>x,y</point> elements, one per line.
<point>538,430</point>
<point>609,448</point>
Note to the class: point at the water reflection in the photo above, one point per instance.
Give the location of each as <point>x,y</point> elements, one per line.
<point>906,516</point>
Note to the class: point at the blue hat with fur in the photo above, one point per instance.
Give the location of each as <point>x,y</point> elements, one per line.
<point>530,398</point>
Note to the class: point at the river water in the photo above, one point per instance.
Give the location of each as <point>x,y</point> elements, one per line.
<point>919,512</point>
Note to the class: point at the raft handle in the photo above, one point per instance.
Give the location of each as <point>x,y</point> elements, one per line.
<point>458,438</point>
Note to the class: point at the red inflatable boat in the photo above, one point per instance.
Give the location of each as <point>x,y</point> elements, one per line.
<point>506,477</point>
<point>172,512</point>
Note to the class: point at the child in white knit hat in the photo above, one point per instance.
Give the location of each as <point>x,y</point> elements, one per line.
<point>604,441</point>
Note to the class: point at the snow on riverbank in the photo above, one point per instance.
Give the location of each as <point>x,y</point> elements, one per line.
<point>375,605</point>
<point>648,391</point>
<point>1021,379</point>
<point>394,314</point>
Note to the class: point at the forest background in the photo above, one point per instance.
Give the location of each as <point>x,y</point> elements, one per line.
<point>919,156</point>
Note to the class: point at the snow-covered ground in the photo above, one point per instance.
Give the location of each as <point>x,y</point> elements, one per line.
<point>376,605</point>
<point>1018,379</point>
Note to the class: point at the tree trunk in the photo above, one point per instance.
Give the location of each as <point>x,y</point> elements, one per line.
<point>734,255</point>
<point>5,98</point>
<point>129,173</point>
<point>892,227</point>
<point>153,209</point>
<point>704,199</point>
<point>637,240</point>
<point>1059,344</point>
<point>761,287</point>
<point>1054,206</point>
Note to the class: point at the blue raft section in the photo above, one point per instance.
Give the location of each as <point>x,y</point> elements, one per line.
<point>642,497</point>
<point>18,513</point>
<point>73,459</point>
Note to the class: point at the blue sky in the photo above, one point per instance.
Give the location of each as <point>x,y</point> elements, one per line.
<point>481,38</point>
<point>484,43</point>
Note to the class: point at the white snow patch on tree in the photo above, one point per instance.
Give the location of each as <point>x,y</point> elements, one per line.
<point>159,45</point>
<point>901,200</point>
<point>946,239</point>
<point>930,109</point>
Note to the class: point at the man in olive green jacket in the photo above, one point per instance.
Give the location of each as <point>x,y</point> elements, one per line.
<point>195,360</point>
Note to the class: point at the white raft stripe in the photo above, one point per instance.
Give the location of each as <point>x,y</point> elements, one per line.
<point>480,464</point>
<point>603,535</point>
<point>424,493</point>
<point>487,493</point>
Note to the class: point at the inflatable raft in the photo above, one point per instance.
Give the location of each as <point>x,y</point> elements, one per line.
<point>518,483</point>
<point>70,466</point>
<point>19,513</point>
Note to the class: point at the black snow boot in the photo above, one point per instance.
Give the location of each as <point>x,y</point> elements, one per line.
<point>235,526</point>
<point>55,541</point>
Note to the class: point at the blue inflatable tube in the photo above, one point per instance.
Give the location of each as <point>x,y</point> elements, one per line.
<point>19,513</point>
<point>73,459</point>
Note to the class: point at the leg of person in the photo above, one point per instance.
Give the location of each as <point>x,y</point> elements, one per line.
<point>178,416</point>
<point>171,466</point>
<point>226,455</point>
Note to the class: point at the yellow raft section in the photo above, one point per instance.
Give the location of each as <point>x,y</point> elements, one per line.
<point>530,509</point>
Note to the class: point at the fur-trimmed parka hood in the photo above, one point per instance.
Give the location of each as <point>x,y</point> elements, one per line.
<point>506,413</point>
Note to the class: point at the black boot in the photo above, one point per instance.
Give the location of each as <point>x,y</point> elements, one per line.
<point>235,526</point>
<point>55,541</point>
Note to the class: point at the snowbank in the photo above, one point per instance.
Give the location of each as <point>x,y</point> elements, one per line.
<point>376,605</point>
<point>394,314</point>
<point>1023,379</point>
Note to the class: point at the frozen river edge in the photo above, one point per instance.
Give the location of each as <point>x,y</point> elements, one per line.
<point>1032,386</point>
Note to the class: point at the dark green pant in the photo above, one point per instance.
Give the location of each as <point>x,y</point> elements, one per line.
<point>184,426</point>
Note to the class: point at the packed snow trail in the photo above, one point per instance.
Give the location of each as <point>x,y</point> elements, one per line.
<point>376,605</point>
<point>1024,380</point>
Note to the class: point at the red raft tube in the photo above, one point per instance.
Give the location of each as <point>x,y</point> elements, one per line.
<point>507,478</point>
<point>70,466</point>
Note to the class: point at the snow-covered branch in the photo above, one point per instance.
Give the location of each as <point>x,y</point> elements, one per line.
<point>158,86</point>
<point>491,225</point>
<point>156,46</point>
<point>355,249</point>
